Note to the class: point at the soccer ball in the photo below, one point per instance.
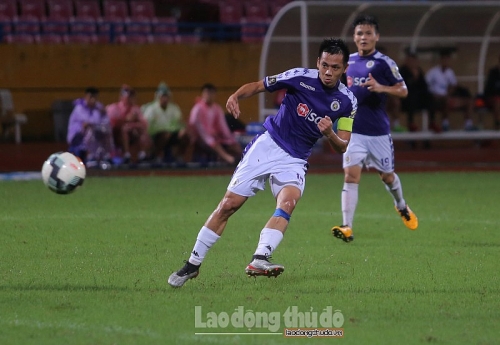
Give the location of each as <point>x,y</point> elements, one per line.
<point>63,172</point>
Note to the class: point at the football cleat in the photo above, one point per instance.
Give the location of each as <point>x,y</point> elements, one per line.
<point>262,267</point>
<point>189,271</point>
<point>343,232</point>
<point>409,218</point>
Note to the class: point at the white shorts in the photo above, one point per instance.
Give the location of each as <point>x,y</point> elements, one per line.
<point>264,160</point>
<point>371,151</point>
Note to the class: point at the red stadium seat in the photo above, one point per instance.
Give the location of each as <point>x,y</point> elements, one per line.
<point>8,11</point>
<point>50,39</point>
<point>81,38</point>
<point>256,10</point>
<point>58,26</point>
<point>20,38</point>
<point>142,9</point>
<point>138,26</point>
<point>115,15</point>
<point>26,25</point>
<point>276,5</point>
<point>60,9</point>
<point>87,9</point>
<point>115,9</point>
<point>32,9</point>
<point>135,39</point>
<point>84,26</point>
<point>230,11</point>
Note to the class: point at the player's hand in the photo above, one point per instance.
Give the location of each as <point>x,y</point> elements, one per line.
<point>233,106</point>
<point>371,84</point>
<point>325,125</point>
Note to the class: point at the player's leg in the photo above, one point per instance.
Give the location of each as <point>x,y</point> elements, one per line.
<point>272,234</point>
<point>382,158</point>
<point>249,177</point>
<point>353,161</point>
<point>349,201</point>
<point>395,188</point>
<point>208,235</point>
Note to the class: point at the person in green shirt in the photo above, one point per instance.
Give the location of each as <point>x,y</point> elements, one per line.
<point>165,126</point>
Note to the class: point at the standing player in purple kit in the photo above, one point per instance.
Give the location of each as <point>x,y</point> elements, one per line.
<point>371,76</point>
<point>314,99</point>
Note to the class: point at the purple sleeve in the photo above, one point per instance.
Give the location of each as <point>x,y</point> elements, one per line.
<point>76,120</point>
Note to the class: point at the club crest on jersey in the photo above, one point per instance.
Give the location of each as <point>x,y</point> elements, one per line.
<point>370,64</point>
<point>335,106</point>
<point>302,110</point>
<point>272,80</point>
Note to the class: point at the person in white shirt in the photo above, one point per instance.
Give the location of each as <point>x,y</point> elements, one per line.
<point>447,94</point>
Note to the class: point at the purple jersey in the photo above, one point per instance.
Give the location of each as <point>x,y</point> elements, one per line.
<point>371,118</point>
<point>294,128</point>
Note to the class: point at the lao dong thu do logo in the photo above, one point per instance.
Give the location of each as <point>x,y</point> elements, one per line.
<point>272,321</point>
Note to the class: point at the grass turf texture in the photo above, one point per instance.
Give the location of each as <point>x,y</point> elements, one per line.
<point>91,267</point>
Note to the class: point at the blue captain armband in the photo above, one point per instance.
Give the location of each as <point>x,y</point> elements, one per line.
<point>345,124</point>
<point>281,213</point>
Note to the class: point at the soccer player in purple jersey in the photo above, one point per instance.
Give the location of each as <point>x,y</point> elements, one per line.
<point>314,99</point>
<point>371,76</point>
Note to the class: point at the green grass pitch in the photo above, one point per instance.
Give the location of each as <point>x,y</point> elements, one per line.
<point>91,267</point>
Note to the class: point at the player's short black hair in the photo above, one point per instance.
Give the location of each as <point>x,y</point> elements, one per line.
<point>92,91</point>
<point>334,46</point>
<point>365,19</point>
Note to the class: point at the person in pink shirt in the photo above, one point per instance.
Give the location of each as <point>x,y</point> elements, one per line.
<point>130,128</point>
<point>209,129</point>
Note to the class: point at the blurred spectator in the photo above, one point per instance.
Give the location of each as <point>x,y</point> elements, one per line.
<point>209,130</point>
<point>129,125</point>
<point>447,94</point>
<point>492,92</point>
<point>89,131</point>
<point>165,126</point>
<point>419,97</point>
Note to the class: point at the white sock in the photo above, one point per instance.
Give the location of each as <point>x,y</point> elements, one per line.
<point>349,199</point>
<point>396,191</point>
<point>205,240</point>
<point>268,241</point>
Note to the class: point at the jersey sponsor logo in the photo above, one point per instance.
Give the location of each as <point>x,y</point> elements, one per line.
<point>272,80</point>
<point>349,81</point>
<point>356,81</point>
<point>370,64</point>
<point>309,87</point>
<point>335,106</point>
<point>304,111</point>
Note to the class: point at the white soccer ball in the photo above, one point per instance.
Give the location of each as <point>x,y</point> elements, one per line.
<point>63,172</point>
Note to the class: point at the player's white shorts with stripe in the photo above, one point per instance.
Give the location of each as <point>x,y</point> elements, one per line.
<point>372,151</point>
<point>265,160</point>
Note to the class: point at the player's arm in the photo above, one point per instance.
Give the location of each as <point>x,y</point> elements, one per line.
<point>338,140</point>
<point>247,90</point>
<point>398,90</point>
